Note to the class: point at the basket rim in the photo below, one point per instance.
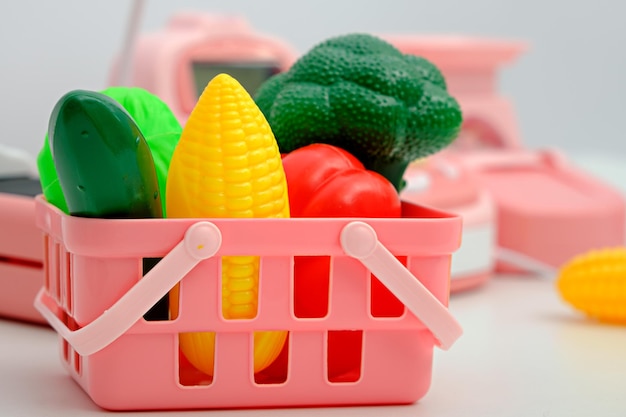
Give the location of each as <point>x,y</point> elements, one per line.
<point>435,233</point>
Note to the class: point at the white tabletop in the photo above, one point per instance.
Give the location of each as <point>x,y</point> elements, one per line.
<point>524,353</point>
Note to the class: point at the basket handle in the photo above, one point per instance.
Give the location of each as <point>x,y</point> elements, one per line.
<point>360,241</point>
<point>201,241</point>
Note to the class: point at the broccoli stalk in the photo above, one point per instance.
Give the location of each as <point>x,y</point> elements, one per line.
<point>360,93</point>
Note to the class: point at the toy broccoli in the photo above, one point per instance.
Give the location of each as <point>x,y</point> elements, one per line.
<point>360,93</point>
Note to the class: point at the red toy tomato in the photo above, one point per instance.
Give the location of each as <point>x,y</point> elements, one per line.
<point>327,181</point>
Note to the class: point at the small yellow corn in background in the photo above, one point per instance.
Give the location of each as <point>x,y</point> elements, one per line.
<point>227,164</point>
<point>595,283</point>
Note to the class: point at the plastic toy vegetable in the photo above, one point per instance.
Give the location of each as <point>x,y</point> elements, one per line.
<point>104,164</point>
<point>227,164</point>
<point>360,93</point>
<point>595,283</point>
<point>327,181</point>
<point>158,124</point>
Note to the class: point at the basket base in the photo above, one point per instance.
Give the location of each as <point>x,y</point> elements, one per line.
<point>396,369</point>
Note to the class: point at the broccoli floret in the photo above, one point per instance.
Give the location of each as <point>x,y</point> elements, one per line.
<point>362,94</point>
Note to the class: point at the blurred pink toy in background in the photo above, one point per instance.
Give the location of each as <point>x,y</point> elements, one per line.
<point>444,183</point>
<point>177,62</point>
<point>547,209</point>
<point>21,245</point>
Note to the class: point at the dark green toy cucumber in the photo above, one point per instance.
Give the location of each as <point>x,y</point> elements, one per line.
<point>104,165</point>
<point>103,161</point>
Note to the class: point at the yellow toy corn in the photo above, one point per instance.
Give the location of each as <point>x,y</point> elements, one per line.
<point>595,283</point>
<point>227,164</point>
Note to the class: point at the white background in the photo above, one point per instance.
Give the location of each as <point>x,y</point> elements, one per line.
<point>568,88</point>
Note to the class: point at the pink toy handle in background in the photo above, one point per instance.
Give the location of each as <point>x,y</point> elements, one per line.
<point>203,240</point>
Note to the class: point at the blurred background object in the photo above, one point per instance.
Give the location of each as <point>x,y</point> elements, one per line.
<point>177,61</point>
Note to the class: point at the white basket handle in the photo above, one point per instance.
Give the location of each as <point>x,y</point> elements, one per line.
<point>201,241</point>
<point>360,241</point>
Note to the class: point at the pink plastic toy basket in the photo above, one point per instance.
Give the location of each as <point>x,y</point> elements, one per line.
<point>96,294</point>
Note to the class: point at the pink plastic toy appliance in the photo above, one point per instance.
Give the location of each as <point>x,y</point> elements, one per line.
<point>21,258</point>
<point>21,247</point>
<point>177,62</point>
<point>547,210</point>
<point>97,290</point>
<point>444,183</point>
